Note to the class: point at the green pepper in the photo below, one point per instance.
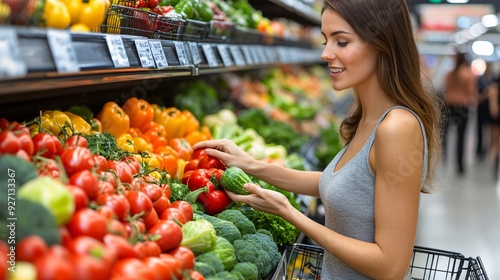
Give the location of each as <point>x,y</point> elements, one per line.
<point>205,12</point>
<point>52,194</point>
<point>185,8</point>
<point>168,2</point>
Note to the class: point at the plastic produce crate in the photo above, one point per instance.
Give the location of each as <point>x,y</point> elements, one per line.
<point>220,31</point>
<point>170,28</point>
<point>195,30</point>
<point>304,262</point>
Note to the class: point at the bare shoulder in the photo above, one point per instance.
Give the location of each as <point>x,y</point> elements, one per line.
<point>400,125</point>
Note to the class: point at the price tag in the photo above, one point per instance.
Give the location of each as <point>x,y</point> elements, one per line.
<point>195,54</point>
<point>158,54</point>
<point>117,51</point>
<point>62,50</point>
<point>210,55</point>
<point>270,54</point>
<point>237,55</point>
<point>144,52</point>
<point>12,64</point>
<point>224,54</point>
<point>181,53</point>
<point>248,54</point>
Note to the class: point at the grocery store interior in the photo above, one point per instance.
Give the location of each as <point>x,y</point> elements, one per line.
<point>249,70</point>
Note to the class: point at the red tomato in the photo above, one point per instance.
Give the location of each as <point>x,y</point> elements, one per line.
<point>30,248</point>
<point>173,214</point>
<point>49,267</point>
<point>117,228</point>
<point>23,154</point>
<point>82,245</point>
<point>184,255</point>
<point>141,250</point>
<point>101,163</point>
<point>133,163</point>
<point>161,204</point>
<point>167,191</point>
<point>117,202</point>
<point>106,212</point>
<point>87,222</point>
<point>76,140</point>
<point>174,264</point>
<point>131,269</point>
<point>152,249</point>
<point>4,261</point>
<point>185,207</point>
<point>195,275</point>
<point>79,196</point>
<point>137,227</point>
<point>48,168</point>
<point>75,159</point>
<point>122,169</point>
<point>120,246</point>
<point>91,267</point>
<point>169,234</point>
<point>85,180</point>
<point>59,251</point>
<point>9,144</point>
<point>46,145</point>
<point>109,177</point>
<point>65,236</point>
<point>140,203</point>
<point>105,188</point>
<point>153,191</point>
<point>26,143</point>
<point>159,267</point>
<point>151,219</point>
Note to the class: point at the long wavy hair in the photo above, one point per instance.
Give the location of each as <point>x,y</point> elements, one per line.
<point>386,25</point>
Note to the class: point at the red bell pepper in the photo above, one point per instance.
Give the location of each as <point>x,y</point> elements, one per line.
<point>203,186</point>
<point>201,160</point>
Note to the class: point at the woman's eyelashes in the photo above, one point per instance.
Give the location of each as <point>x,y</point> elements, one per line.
<point>339,43</point>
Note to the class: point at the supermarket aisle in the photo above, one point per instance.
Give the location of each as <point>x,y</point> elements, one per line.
<point>464,215</point>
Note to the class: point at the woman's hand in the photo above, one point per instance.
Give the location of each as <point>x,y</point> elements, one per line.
<point>226,151</point>
<point>264,200</point>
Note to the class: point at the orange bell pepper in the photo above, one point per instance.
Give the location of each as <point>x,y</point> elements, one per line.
<point>113,119</point>
<point>134,131</point>
<point>154,131</point>
<point>192,123</point>
<point>195,137</point>
<point>170,158</point>
<point>140,112</point>
<point>182,147</point>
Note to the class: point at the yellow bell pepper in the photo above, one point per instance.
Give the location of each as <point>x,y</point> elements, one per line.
<point>142,145</point>
<point>126,143</point>
<point>80,125</point>
<point>56,14</point>
<point>180,168</point>
<point>55,122</point>
<point>172,119</point>
<point>152,160</point>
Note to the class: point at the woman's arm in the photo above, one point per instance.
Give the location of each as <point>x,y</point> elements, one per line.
<point>299,182</point>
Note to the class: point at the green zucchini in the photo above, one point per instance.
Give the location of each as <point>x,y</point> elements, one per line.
<point>233,180</point>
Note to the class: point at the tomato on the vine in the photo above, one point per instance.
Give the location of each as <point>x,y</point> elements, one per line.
<point>174,264</point>
<point>9,143</point>
<point>152,248</point>
<point>118,203</point>
<point>184,255</point>
<point>30,248</point>
<point>76,140</point>
<point>50,267</point>
<point>169,234</point>
<point>151,219</point>
<point>85,180</point>
<point>121,246</point>
<point>161,204</point>
<point>122,170</point>
<point>153,191</point>
<point>140,203</point>
<point>131,269</point>
<point>185,207</point>
<point>173,214</point>
<point>79,196</point>
<point>89,223</point>
<point>47,145</point>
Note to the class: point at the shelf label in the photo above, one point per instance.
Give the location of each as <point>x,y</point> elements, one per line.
<point>158,54</point>
<point>210,55</point>
<point>117,51</point>
<point>195,54</point>
<point>144,52</point>
<point>237,55</point>
<point>62,50</point>
<point>224,54</point>
<point>12,64</point>
<point>248,54</point>
<point>181,53</point>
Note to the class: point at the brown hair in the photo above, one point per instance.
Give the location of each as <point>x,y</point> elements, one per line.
<point>386,25</point>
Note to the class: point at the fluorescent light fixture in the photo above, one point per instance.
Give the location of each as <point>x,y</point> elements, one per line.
<point>457,1</point>
<point>489,20</point>
<point>483,48</point>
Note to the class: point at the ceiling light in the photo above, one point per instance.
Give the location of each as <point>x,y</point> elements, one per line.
<point>489,20</point>
<point>483,48</point>
<point>457,1</point>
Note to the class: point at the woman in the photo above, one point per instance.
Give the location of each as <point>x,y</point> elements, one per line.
<point>459,94</point>
<point>494,111</point>
<point>371,189</point>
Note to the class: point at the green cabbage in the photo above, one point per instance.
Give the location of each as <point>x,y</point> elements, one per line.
<point>199,236</point>
<point>225,252</point>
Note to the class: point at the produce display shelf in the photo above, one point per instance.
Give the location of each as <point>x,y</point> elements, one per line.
<point>293,9</point>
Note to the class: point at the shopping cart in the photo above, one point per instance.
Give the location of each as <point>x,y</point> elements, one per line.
<point>303,261</point>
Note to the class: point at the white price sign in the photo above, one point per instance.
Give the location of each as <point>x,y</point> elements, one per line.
<point>12,63</point>
<point>224,54</point>
<point>144,52</point>
<point>181,53</point>
<point>195,54</point>
<point>237,55</point>
<point>210,55</point>
<point>117,51</point>
<point>158,54</point>
<point>62,50</point>
<point>248,54</point>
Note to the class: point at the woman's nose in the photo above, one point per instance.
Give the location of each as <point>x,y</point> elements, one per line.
<point>328,54</point>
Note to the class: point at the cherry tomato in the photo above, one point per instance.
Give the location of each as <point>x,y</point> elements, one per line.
<point>184,255</point>
<point>79,196</point>
<point>173,214</point>
<point>85,180</point>
<point>133,163</point>
<point>30,248</point>
<point>154,192</point>
<point>152,249</point>
<point>76,140</point>
<point>169,234</point>
<point>140,203</point>
<point>105,188</point>
<point>87,222</point>
<point>107,176</point>
<point>122,169</point>
<point>185,207</point>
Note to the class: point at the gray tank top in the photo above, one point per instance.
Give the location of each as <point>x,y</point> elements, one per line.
<point>348,198</point>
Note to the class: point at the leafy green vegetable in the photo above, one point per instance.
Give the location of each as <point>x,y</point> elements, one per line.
<point>104,144</point>
<point>199,236</point>
<point>212,260</point>
<point>204,268</point>
<point>179,191</point>
<point>225,252</point>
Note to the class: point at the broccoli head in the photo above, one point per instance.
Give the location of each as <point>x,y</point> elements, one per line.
<point>242,222</point>
<point>224,275</point>
<point>223,228</point>
<point>247,269</point>
<point>204,268</point>
<point>212,260</point>
<point>260,249</point>
<point>267,243</point>
<point>247,251</point>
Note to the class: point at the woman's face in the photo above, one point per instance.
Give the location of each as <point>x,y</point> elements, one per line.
<point>352,62</point>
